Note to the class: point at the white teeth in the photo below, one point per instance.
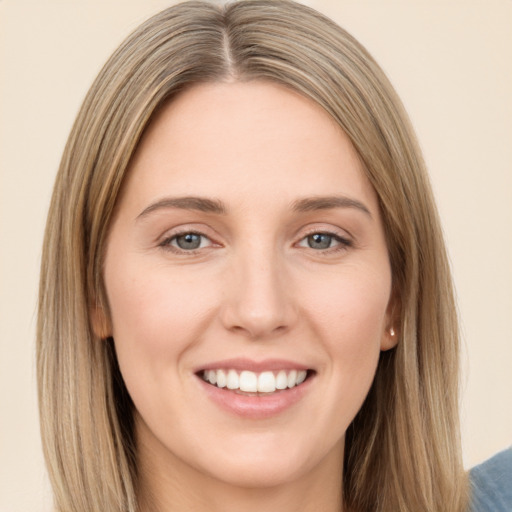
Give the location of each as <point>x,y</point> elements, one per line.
<point>233,382</point>
<point>212,376</point>
<point>292,378</point>
<point>301,376</point>
<point>251,382</point>
<point>248,381</point>
<point>266,382</point>
<point>281,380</point>
<point>221,378</point>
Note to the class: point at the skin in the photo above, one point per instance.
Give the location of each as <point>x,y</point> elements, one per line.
<point>255,288</point>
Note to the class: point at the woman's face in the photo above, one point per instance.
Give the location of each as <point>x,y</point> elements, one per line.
<point>247,250</point>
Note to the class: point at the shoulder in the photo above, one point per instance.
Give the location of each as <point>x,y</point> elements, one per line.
<point>491,484</point>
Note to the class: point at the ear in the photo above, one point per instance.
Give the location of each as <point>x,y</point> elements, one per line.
<point>391,333</point>
<point>100,322</point>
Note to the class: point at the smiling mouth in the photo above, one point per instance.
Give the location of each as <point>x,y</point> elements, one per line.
<point>255,383</point>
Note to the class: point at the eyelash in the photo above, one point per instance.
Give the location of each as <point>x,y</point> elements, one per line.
<point>342,243</point>
<point>166,244</point>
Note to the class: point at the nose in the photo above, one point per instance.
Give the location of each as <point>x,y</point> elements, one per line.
<point>259,300</point>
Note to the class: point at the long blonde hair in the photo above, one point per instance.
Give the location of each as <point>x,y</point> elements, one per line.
<point>403,449</point>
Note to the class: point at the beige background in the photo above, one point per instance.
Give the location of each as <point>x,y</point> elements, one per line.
<point>451,62</point>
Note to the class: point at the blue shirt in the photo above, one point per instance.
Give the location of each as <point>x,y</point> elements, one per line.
<point>491,484</point>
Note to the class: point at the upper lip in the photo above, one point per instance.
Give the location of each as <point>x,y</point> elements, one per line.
<point>241,364</point>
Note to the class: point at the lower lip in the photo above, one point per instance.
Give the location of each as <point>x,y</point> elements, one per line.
<point>256,406</point>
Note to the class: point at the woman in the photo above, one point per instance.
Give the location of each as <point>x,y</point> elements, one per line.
<point>243,303</point>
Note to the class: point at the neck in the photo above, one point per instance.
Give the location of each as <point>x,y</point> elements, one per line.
<point>172,485</point>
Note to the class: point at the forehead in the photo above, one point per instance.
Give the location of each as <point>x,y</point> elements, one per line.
<point>245,138</point>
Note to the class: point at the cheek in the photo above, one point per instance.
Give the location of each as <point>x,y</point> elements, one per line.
<point>154,301</point>
<point>350,319</point>
<point>156,316</point>
<point>352,306</point>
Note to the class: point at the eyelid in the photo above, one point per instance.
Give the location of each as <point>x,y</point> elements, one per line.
<point>181,229</point>
<point>164,241</point>
<point>344,239</point>
<point>202,238</point>
<point>327,230</point>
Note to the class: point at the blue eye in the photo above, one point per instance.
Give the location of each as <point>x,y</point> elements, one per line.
<point>187,241</point>
<point>324,241</point>
<point>319,241</point>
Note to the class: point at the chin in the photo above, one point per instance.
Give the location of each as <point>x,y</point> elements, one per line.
<point>260,462</point>
<point>259,473</point>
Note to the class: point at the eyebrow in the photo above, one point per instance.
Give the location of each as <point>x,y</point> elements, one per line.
<point>200,204</point>
<point>216,206</point>
<point>328,202</point>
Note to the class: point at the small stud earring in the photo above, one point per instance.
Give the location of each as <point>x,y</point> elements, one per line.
<point>392,331</point>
